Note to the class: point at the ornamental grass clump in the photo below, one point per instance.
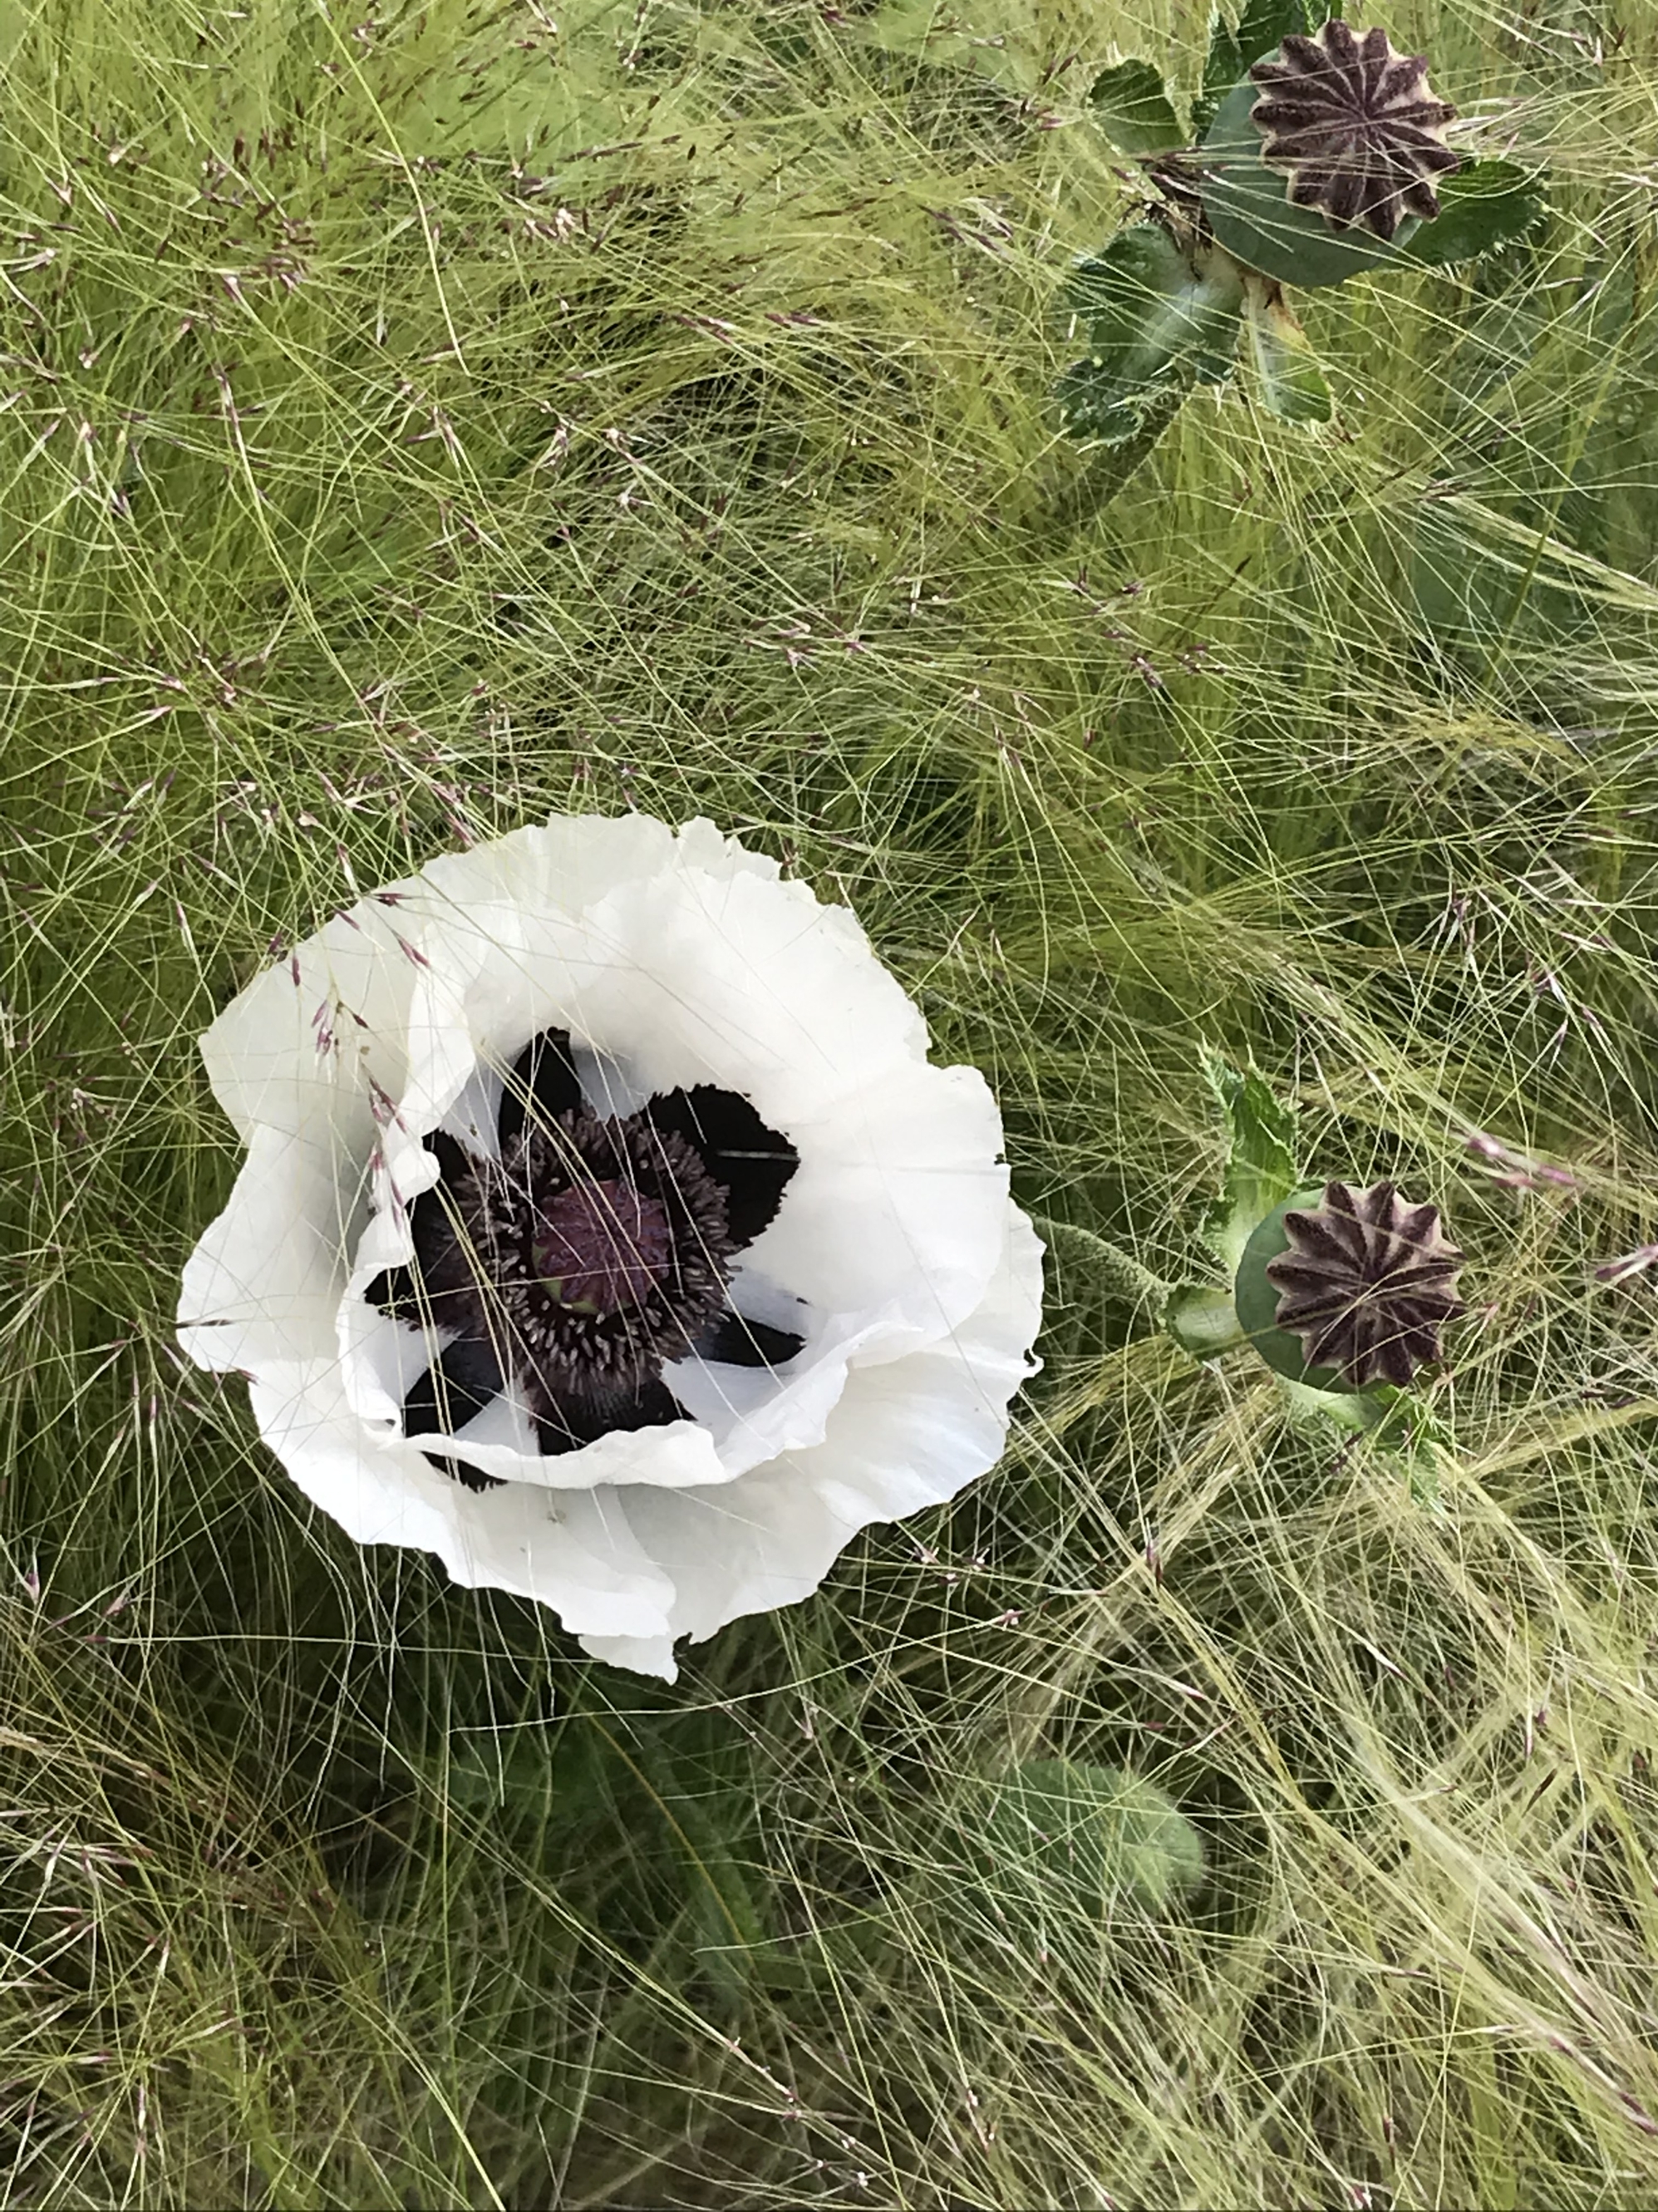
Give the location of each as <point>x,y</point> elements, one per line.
<point>605,1230</point>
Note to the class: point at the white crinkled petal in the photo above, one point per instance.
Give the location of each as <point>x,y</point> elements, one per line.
<point>906,1434</point>
<point>747,983</point>
<point>898,1203</point>
<point>264,1282</point>
<point>309,1044</point>
<point>677,1456</point>
<point>573,1551</point>
<point>261,1052</point>
<point>685,976</point>
<point>567,864</point>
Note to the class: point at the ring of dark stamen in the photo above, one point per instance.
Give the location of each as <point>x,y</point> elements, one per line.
<point>681,1186</point>
<point>571,1347</point>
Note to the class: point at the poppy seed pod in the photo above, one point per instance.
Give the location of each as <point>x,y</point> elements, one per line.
<point>1355,126</point>
<point>1366,1284</point>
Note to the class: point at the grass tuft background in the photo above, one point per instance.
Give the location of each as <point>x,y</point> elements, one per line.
<point>415,421</point>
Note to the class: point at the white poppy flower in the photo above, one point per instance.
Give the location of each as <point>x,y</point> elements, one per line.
<point>605,1230</point>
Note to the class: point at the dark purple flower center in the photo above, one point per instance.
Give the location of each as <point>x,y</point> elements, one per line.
<point>605,1246</point>
<point>602,1246</point>
<point>585,1256</point>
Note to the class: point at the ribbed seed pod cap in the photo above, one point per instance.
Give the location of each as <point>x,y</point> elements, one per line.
<point>1367,1283</point>
<point>1356,126</point>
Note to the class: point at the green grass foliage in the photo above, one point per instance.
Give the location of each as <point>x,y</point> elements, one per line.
<point>416,420</point>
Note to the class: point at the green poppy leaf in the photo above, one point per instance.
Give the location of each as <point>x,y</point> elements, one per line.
<point>1289,381</point>
<point>1155,325</point>
<point>1263,26</point>
<point>1484,206</point>
<point>1072,1832</point>
<point>1260,1157</point>
<point>1132,105</point>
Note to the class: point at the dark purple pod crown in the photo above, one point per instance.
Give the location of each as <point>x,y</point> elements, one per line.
<point>1366,1284</point>
<point>1356,127</point>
